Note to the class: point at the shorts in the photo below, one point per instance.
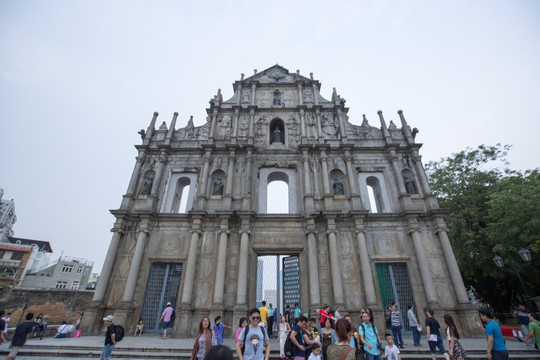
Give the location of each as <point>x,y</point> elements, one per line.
<point>14,351</point>
<point>106,353</point>
<point>499,355</point>
<point>60,336</point>
<point>165,325</point>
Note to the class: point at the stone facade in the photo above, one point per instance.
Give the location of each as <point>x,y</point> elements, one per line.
<point>277,126</point>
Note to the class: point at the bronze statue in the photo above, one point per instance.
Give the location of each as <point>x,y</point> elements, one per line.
<point>218,187</point>
<point>338,187</point>
<point>147,186</point>
<point>277,135</point>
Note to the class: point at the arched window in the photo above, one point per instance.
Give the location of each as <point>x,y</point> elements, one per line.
<point>375,195</point>
<point>277,191</point>
<point>181,195</point>
<point>277,197</point>
<point>277,132</point>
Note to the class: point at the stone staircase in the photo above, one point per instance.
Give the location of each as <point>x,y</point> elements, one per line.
<point>67,351</point>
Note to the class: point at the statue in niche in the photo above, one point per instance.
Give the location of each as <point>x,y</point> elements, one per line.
<point>410,186</point>
<point>277,98</point>
<point>406,161</point>
<point>277,136</point>
<point>338,187</point>
<point>218,187</point>
<point>147,185</point>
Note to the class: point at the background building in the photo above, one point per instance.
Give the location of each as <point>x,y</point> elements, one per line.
<point>67,273</point>
<point>7,217</point>
<point>13,261</point>
<point>361,226</point>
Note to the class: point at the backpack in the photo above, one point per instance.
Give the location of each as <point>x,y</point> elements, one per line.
<point>173,315</point>
<point>288,349</point>
<point>118,333</point>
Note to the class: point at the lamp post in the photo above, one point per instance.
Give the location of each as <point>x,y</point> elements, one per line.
<point>525,254</point>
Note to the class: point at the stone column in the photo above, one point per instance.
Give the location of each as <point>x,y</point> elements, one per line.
<point>300,96</point>
<point>107,266</point>
<point>353,183</point>
<point>151,202</point>
<point>342,131</point>
<point>133,274</point>
<point>315,94</point>
<point>335,268</point>
<point>457,281</point>
<point>203,181</point>
<point>302,122</point>
<point>427,280</point>
<point>314,290</point>
<point>235,122</point>
<point>324,168</point>
<point>253,94</point>
<point>318,121</point>
<point>213,125</point>
<point>421,174</point>
<point>190,268</point>
<point>241,295</point>
<point>227,199</point>
<point>135,177</point>
<point>221,268</point>
<point>246,197</point>
<point>308,192</point>
<point>365,263</point>
<point>397,173</point>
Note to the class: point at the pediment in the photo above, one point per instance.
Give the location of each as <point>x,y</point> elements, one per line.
<point>276,74</point>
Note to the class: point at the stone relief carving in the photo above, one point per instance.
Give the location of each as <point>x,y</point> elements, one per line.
<point>201,133</point>
<point>276,76</point>
<point>330,125</point>
<point>311,129</point>
<point>225,126</point>
<point>246,97</point>
<point>308,95</point>
<point>260,135</point>
<point>386,246</point>
<point>244,126</point>
<point>292,132</point>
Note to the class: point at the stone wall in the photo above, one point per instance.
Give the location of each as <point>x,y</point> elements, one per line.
<point>59,304</point>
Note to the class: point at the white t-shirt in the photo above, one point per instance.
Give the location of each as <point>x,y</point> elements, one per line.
<point>391,352</point>
<point>314,357</point>
<point>63,329</point>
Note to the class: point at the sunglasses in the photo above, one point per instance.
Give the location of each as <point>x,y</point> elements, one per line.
<point>255,318</point>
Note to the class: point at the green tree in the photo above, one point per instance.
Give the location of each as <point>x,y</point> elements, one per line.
<point>493,210</point>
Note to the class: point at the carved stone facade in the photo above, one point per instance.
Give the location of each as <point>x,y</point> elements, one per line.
<point>277,126</point>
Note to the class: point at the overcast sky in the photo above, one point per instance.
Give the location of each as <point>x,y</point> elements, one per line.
<point>78,79</point>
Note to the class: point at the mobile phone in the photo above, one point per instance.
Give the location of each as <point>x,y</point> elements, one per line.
<point>474,318</point>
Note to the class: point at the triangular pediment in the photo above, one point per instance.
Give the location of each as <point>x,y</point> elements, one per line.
<point>276,74</point>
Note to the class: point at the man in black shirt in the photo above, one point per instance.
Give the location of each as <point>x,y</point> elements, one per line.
<point>22,332</point>
<point>110,340</point>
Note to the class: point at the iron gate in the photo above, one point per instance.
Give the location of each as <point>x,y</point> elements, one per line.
<point>291,280</point>
<point>162,287</point>
<point>394,285</point>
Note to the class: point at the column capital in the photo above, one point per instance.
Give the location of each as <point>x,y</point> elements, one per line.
<point>244,231</point>
<point>415,228</point>
<point>118,231</point>
<point>360,231</point>
<point>441,228</point>
<point>146,231</point>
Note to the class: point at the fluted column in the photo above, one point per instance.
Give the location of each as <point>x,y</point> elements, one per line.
<point>425,273</point>
<point>190,268</point>
<point>133,274</point>
<point>335,268</point>
<point>227,199</point>
<point>150,203</point>
<point>457,281</point>
<point>246,196</point>
<point>221,267</point>
<point>106,271</point>
<point>314,290</point>
<point>365,263</point>
<point>241,295</point>
<point>300,95</point>
<point>353,183</point>
<point>251,122</point>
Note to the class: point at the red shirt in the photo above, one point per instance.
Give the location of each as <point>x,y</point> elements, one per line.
<point>324,315</point>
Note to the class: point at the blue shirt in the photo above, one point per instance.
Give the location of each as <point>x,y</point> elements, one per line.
<point>271,312</point>
<point>370,335</point>
<point>493,329</point>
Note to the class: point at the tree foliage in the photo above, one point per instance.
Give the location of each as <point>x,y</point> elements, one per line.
<point>493,210</point>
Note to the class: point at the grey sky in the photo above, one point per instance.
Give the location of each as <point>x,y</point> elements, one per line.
<point>78,79</point>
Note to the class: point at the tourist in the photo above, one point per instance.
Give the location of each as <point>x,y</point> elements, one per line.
<point>62,331</point>
<point>242,324</point>
<point>139,328</point>
<point>309,336</point>
<point>264,313</point>
<point>534,330</point>
<point>21,335</point>
<point>415,325</point>
<point>297,338</point>
<point>396,325</point>
<point>110,338</point>
<point>71,329</point>
<point>326,312</point>
<point>166,318</point>
<point>337,315</point>
<point>315,352</point>
<point>253,338</point>
<point>283,332</point>
<point>455,349</point>
<point>521,313</point>
<point>297,311</point>
<point>391,352</point>
<point>220,352</point>
<point>355,340</point>
<point>496,346</point>
<point>270,319</point>
<point>328,336</point>
<point>288,314</point>
<point>434,337</point>
<point>218,329</point>
<point>38,324</point>
<point>369,336</point>
<point>2,327</point>
<point>341,349</point>
<point>205,339</point>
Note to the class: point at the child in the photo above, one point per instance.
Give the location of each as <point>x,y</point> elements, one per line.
<point>218,329</point>
<point>139,328</point>
<point>313,330</point>
<point>315,352</point>
<point>391,352</point>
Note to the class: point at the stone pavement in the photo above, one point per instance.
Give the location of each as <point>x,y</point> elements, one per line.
<point>153,342</point>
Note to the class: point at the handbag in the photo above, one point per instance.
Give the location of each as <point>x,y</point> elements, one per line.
<point>77,333</point>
